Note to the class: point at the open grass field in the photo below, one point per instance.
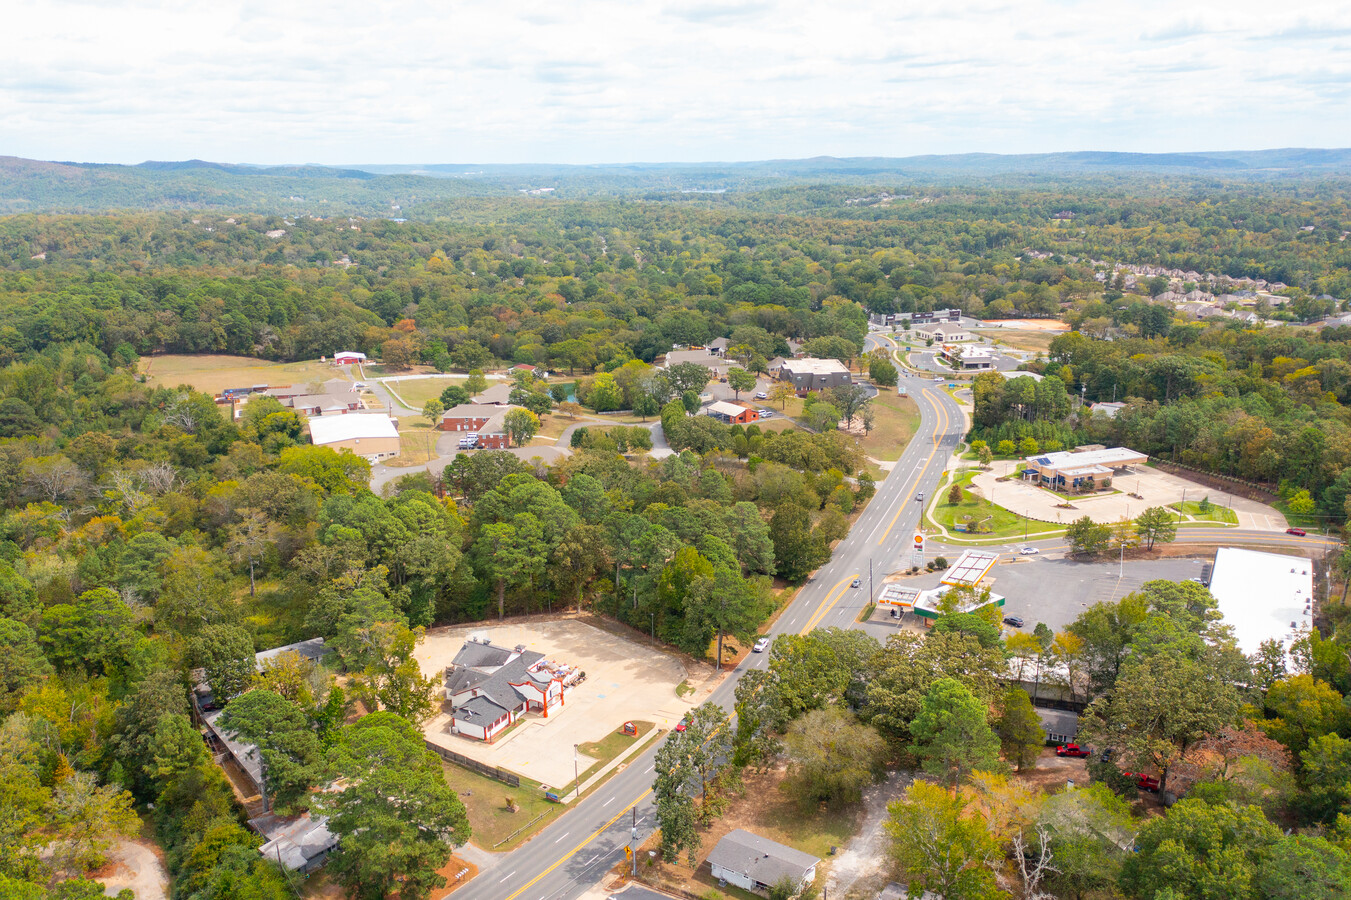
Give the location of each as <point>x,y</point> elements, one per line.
<point>417,391</point>
<point>212,373</point>
<point>417,444</point>
<point>895,422</point>
<point>491,818</point>
<point>1022,339</point>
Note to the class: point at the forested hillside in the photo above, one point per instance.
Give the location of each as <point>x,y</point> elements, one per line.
<point>144,535</point>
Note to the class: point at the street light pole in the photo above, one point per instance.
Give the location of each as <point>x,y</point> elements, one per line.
<point>576,778</point>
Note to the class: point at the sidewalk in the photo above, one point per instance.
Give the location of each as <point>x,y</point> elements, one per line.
<point>612,765</point>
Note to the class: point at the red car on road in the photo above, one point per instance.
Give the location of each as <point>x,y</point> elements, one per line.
<point>1072,750</point>
<point>1144,782</point>
<point>1297,532</point>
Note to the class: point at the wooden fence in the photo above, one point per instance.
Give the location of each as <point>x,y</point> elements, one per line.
<point>502,775</point>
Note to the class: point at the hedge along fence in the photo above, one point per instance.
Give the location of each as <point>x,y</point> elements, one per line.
<point>1248,490</point>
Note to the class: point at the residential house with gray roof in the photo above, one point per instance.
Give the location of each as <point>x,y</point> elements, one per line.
<point>489,687</point>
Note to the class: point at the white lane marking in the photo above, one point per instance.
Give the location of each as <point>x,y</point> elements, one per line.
<point>506,876</point>
<point>560,837</point>
<point>607,803</point>
<point>649,768</point>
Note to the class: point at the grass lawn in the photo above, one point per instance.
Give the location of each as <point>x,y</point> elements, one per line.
<point>1216,513</point>
<point>1003,524</point>
<point>417,444</point>
<point>485,800</point>
<point>212,373</point>
<point>1021,340</point>
<point>417,392</point>
<point>896,419</point>
<point>605,750</point>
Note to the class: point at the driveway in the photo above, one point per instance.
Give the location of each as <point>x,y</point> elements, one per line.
<point>135,865</point>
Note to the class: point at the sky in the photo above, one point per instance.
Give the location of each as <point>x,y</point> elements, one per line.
<point>606,81</point>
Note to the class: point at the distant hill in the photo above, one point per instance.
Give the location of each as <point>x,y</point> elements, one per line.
<point>396,191</point>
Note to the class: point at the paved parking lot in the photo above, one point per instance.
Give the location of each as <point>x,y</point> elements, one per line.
<point>1054,590</point>
<point>624,681</point>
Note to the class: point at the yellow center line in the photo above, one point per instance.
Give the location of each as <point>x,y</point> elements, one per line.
<point>575,850</point>
<point>919,474</point>
<point>826,604</point>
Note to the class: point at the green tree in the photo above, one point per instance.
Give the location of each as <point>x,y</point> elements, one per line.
<point>687,377</point>
<point>797,551</point>
<point>605,394</point>
<point>226,653</point>
<point>1086,537</point>
<point>943,848</point>
<point>952,734</point>
<point>1161,706</point>
<point>454,395</point>
<point>1327,777</point>
<point>476,383</point>
<point>985,456</point>
<point>1200,851</point>
<point>432,410</point>
<point>521,425</point>
<point>832,758</point>
<point>740,380</point>
<point>1156,525</point>
<point>291,757</point>
<point>955,494</point>
<point>1305,708</point>
<point>882,372</point>
<point>1086,830</point>
<point>89,818</point>
<point>396,819</point>
<point>1019,729</point>
<point>509,553</point>
<point>21,665</point>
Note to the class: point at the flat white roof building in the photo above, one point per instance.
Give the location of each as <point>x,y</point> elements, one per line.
<point>1263,595</point>
<point>370,436</point>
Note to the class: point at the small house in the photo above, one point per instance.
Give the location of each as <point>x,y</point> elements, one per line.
<point>756,863</point>
<point>489,687</point>
<point>732,413</point>
<point>348,358</point>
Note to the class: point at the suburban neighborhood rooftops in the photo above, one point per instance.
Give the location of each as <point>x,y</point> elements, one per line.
<point>811,365</point>
<point>331,429</point>
<point>1263,595</point>
<point>766,861</point>
<point>699,357</point>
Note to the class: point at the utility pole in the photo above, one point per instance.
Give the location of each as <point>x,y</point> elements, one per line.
<point>870,579</point>
<point>634,833</point>
<point>576,778</point>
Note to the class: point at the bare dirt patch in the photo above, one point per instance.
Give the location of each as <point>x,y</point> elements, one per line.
<point>458,872</point>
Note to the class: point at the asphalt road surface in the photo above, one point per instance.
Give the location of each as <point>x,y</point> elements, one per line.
<point>572,854</point>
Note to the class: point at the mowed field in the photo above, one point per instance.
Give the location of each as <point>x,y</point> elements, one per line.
<point>211,374</point>
<point>1021,339</point>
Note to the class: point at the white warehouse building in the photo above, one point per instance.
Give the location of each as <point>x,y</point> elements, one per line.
<point>1263,596</point>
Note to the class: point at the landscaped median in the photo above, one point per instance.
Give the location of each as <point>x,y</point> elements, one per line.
<point>993,523</point>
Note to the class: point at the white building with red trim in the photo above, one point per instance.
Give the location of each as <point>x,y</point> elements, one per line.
<point>490,688</point>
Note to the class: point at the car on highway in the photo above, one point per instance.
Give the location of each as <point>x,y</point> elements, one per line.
<point>1029,551</point>
<point>939,380</point>
<point>682,725</point>
<point>1073,750</point>
<point>856,582</point>
<point>919,498</point>
<point>1015,621</point>
<point>761,395</point>
<point>761,645</point>
<point>1297,532</point>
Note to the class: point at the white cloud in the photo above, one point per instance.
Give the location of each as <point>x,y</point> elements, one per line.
<point>615,81</point>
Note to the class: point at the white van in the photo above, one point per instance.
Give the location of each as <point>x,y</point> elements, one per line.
<point>469,442</point>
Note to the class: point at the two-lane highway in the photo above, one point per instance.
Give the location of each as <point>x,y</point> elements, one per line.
<point>571,854</point>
